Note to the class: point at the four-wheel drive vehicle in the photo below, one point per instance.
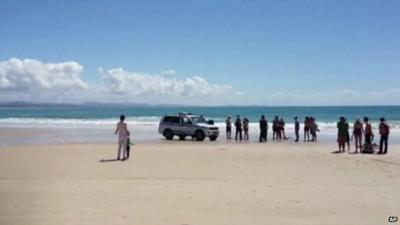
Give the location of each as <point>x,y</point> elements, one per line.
<point>186,124</point>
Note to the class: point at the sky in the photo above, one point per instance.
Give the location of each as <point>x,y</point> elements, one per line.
<point>201,52</point>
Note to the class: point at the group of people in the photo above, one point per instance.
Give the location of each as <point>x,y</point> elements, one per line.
<point>241,128</point>
<point>278,129</point>
<point>360,130</point>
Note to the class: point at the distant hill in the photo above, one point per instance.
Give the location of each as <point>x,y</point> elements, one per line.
<point>31,104</point>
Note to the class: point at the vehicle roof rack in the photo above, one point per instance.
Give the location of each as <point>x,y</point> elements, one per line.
<point>184,113</point>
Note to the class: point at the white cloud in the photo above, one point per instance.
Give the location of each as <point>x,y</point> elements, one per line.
<point>31,74</point>
<point>119,81</point>
<point>35,81</point>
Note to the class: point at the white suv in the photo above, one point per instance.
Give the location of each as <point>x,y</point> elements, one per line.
<point>186,124</point>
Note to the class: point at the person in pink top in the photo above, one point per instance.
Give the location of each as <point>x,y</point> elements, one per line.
<point>123,134</point>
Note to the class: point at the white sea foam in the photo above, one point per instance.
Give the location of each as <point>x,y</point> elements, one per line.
<point>142,122</point>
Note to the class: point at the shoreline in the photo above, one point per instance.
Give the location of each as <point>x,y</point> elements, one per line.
<point>25,136</point>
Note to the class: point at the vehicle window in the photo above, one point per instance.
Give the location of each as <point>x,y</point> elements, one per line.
<point>198,119</point>
<point>171,119</point>
<point>186,120</point>
<point>175,119</point>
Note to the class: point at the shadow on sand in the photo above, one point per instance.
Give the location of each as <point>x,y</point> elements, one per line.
<point>108,160</point>
<point>337,152</point>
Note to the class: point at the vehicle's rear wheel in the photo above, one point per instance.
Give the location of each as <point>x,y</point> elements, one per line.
<point>182,137</point>
<point>199,135</point>
<point>168,134</point>
<point>213,138</point>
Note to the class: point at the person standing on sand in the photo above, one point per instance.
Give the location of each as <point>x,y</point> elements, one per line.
<point>369,136</point>
<point>246,129</point>
<point>348,135</point>
<point>384,131</point>
<point>343,133</point>
<point>306,129</point>
<point>228,123</point>
<point>358,131</point>
<point>263,129</point>
<point>123,133</point>
<point>281,128</point>
<point>313,129</point>
<point>275,130</point>
<point>238,128</point>
<point>296,129</point>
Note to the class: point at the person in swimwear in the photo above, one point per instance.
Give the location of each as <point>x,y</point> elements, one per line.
<point>358,132</point>
<point>306,129</point>
<point>246,129</point>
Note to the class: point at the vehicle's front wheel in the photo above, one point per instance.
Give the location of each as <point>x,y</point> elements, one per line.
<point>168,134</point>
<point>199,135</point>
<point>213,138</point>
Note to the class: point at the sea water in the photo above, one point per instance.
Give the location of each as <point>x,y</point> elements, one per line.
<point>96,123</point>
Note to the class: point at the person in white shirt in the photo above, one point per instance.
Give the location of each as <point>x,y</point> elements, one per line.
<point>123,133</point>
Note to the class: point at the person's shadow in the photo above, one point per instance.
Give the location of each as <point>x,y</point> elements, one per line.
<point>337,152</point>
<point>107,160</point>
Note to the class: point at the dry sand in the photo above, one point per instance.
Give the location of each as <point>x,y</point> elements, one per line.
<point>197,184</point>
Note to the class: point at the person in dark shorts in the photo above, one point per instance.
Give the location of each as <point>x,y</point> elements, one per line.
<point>263,129</point>
<point>275,124</point>
<point>228,123</point>
<point>384,131</point>
<point>246,129</point>
<point>238,128</point>
<point>296,129</point>
<point>306,129</point>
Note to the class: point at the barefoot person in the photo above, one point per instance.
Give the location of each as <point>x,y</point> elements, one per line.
<point>281,129</point>
<point>296,128</point>
<point>263,129</point>
<point>246,129</point>
<point>228,128</point>
<point>306,129</point>
<point>313,129</point>
<point>384,131</point>
<point>238,128</point>
<point>357,134</point>
<point>343,133</point>
<point>368,135</point>
<point>275,132</point>
<point>122,131</point>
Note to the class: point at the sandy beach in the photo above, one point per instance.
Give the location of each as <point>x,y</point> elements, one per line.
<point>197,183</point>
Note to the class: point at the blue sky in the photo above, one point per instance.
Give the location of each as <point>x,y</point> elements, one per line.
<point>267,52</point>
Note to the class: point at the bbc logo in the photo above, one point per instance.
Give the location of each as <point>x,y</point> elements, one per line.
<point>393,219</point>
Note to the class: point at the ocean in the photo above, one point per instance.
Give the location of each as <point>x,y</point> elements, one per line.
<point>100,120</point>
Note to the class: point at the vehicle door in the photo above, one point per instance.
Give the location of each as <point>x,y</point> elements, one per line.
<point>187,125</point>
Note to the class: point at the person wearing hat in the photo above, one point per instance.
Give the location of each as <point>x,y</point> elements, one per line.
<point>296,128</point>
